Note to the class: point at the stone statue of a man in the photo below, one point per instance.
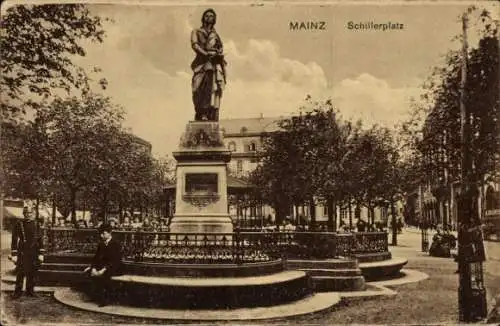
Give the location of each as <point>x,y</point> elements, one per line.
<point>209,74</point>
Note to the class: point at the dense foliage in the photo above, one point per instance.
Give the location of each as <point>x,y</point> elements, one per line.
<point>38,45</point>
<point>318,157</point>
<point>61,143</point>
<point>434,132</point>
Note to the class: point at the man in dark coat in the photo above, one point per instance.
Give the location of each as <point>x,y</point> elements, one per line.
<point>107,262</point>
<point>26,252</point>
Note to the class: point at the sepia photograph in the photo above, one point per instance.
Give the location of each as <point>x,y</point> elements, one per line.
<point>249,162</point>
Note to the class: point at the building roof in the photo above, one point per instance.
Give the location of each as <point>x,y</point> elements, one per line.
<point>250,125</point>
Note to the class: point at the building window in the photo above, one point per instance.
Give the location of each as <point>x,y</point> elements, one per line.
<point>343,213</point>
<point>357,212</point>
<point>325,210</point>
<point>384,213</point>
<point>239,166</point>
<point>232,146</point>
<point>252,147</point>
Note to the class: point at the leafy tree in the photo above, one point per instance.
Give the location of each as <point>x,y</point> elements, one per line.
<point>78,141</point>
<point>121,167</point>
<point>273,175</point>
<point>435,143</point>
<point>162,175</point>
<point>25,157</point>
<point>303,162</point>
<point>38,45</point>
<point>366,166</point>
<point>330,139</point>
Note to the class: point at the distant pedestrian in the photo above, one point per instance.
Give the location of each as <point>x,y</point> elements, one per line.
<point>137,223</point>
<point>400,225</point>
<point>361,225</point>
<point>26,252</point>
<point>113,223</point>
<point>126,225</point>
<point>81,223</point>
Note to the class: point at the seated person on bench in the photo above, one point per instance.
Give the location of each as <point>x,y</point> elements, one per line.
<point>107,262</point>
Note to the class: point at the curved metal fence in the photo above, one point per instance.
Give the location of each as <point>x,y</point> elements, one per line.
<point>237,247</point>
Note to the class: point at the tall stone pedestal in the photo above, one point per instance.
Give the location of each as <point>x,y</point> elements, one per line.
<point>201,201</point>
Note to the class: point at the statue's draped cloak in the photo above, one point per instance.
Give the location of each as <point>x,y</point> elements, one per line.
<point>209,76</point>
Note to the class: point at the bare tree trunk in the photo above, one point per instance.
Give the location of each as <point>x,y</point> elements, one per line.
<point>394,226</point>
<point>332,223</point>
<point>54,210</point>
<point>120,211</point>
<point>312,209</point>
<point>350,214</point>
<point>73,205</point>
<point>371,209</point>
<point>37,206</point>
<point>105,207</point>
<point>167,207</point>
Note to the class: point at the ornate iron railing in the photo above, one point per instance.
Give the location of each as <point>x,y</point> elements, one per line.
<point>70,240</point>
<point>344,244</point>
<point>237,247</point>
<point>200,248</point>
<point>369,242</point>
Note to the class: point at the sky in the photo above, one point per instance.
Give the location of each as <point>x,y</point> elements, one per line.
<point>369,74</point>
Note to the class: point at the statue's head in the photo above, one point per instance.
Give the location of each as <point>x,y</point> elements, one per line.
<point>209,17</point>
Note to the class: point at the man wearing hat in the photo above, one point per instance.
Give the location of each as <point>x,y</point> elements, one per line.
<point>107,262</point>
<point>26,252</point>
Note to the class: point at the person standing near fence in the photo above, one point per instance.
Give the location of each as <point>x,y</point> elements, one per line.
<point>26,252</point>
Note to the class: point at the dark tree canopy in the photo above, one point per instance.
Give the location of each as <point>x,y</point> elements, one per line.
<point>38,43</point>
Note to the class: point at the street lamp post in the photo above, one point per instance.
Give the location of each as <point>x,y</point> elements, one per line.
<point>471,291</point>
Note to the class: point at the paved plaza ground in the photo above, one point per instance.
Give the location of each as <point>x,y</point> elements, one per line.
<point>430,301</point>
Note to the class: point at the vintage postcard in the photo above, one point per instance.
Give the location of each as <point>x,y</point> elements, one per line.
<point>250,162</point>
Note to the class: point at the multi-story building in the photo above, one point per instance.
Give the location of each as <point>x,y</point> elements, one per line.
<point>244,138</point>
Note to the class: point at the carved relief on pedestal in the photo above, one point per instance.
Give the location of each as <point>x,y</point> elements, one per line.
<point>201,189</point>
<point>202,134</point>
<point>201,201</point>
